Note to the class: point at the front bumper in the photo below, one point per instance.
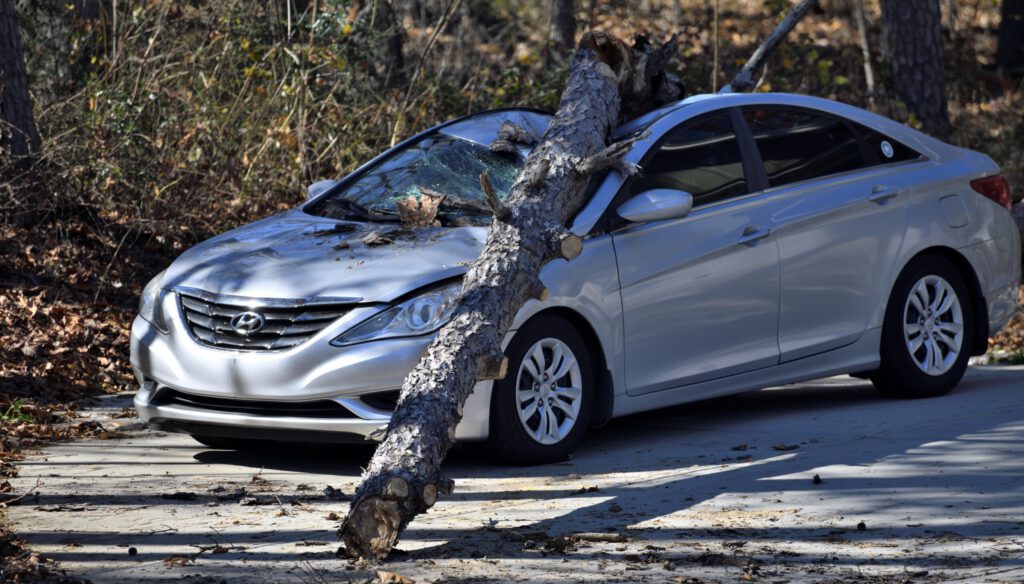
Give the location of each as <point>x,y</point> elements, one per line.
<point>248,388</point>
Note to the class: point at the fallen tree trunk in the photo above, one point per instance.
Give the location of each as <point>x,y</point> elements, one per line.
<point>404,478</point>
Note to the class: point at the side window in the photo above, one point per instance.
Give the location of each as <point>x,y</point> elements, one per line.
<point>701,158</point>
<point>883,149</point>
<point>797,145</point>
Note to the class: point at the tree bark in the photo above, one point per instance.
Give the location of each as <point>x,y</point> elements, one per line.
<point>865,49</point>
<point>1010,55</point>
<point>404,477</point>
<point>913,30</point>
<point>18,132</point>
<point>744,80</point>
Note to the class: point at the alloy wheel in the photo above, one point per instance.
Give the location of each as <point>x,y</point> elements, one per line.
<point>549,390</point>
<point>933,325</point>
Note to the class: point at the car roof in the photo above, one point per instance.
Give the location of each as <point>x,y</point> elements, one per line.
<point>838,108</point>
<point>471,127</point>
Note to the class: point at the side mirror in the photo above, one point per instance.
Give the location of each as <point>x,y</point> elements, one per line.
<point>319,187</point>
<point>656,204</point>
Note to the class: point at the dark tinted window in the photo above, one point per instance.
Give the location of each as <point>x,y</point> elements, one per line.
<point>797,145</point>
<point>702,159</point>
<point>883,149</point>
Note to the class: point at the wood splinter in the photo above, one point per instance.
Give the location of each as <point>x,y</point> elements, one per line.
<point>496,367</point>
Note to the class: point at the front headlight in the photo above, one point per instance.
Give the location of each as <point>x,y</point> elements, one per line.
<point>150,303</point>
<point>417,316</point>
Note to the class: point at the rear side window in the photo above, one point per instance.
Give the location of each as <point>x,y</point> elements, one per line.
<point>797,145</point>
<point>883,149</point>
<point>702,158</point>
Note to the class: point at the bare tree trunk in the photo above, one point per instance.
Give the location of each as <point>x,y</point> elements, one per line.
<point>562,36</point>
<point>717,41</point>
<point>18,131</point>
<point>404,477</point>
<point>745,78</point>
<point>385,22</point>
<point>1010,55</point>
<point>865,49</point>
<point>913,30</point>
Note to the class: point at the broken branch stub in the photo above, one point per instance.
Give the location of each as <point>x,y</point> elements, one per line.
<point>498,209</point>
<point>543,199</point>
<point>510,137</point>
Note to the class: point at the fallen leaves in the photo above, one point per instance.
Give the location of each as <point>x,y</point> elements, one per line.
<point>375,238</point>
<point>177,561</point>
<point>333,494</point>
<point>420,212</point>
<point>393,578</point>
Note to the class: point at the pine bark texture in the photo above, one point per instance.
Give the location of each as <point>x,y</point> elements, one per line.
<point>744,80</point>
<point>1010,55</point>
<point>913,32</point>
<point>404,477</point>
<point>18,133</point>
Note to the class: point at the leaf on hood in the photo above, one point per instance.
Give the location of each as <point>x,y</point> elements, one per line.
<point>420,212</point>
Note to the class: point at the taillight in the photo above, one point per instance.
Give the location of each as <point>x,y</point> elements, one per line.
<point>995,188</point>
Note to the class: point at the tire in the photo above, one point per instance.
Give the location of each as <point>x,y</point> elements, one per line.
<point>224,443</point>
<point>528,442</point>
<point>909,372</point>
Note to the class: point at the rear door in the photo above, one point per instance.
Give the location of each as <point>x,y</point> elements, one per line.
<point>840,224</point>
<point>700,295</point>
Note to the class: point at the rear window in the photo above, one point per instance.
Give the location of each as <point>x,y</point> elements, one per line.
<point>883,149</point>
<point>797,145</point>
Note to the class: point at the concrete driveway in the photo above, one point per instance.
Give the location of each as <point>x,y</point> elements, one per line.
<point>920,491</point>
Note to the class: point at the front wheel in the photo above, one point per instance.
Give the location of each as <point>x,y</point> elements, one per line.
<point>927,333</point>
<point>540,410</point>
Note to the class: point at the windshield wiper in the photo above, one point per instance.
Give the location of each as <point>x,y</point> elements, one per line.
<point>464,205</point>
<point>357,211</point>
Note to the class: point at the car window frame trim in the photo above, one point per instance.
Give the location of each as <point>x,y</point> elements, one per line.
<point>850,125</point>
<point>610,222</point>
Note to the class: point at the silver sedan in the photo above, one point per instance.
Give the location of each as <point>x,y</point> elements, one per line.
<point>771,238</point>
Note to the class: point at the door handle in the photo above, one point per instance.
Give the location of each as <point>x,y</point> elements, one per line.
<point>882,194</point>
<point>752,234</point>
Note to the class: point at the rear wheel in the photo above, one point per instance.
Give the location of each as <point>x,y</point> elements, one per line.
<point>927,333</point>
<point>540,410</point>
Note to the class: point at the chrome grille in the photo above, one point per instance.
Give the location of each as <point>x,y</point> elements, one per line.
<point>287,323</point>
<point>309,409</point>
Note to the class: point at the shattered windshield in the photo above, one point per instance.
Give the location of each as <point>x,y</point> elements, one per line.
<point>438,165</point>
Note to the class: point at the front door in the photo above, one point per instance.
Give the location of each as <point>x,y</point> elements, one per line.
<point>700,294</point>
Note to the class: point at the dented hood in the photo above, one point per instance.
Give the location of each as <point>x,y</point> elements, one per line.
<point>296,255</point>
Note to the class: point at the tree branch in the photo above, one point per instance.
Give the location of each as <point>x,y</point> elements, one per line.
<point>744,80</point>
